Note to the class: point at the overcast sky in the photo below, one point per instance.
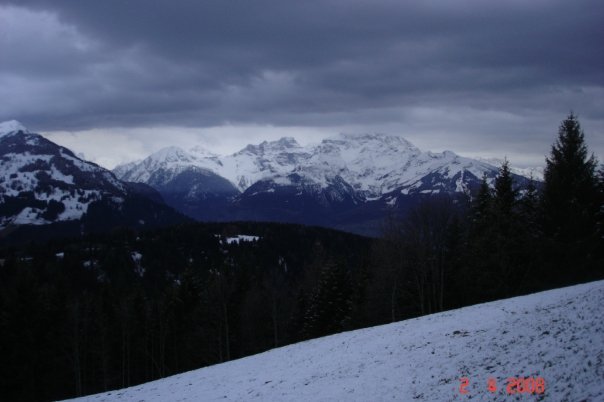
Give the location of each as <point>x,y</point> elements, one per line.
<point>118,79</point>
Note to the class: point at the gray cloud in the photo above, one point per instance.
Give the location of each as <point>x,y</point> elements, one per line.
<point>77,65</point>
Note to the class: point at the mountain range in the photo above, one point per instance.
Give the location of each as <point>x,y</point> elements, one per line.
<point>349,182</point>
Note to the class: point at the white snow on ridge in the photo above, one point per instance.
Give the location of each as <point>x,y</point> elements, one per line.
<point>557,335</point>
<point>11,126</point>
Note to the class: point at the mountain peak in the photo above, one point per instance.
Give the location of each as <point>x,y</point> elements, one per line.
<point>284,143</point>
<point>288,142</point>
<point>11,126</point>
<point>170,154</point>
<point>390,139</point>
<point>201,151</point>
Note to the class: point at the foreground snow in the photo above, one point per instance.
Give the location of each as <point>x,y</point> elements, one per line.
<point>557,335</point>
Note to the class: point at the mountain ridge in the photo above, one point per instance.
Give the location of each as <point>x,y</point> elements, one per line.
<point>352,154</point>
<point>349,180</point>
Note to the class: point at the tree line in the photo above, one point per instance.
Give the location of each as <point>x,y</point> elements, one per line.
<point>505,240</point>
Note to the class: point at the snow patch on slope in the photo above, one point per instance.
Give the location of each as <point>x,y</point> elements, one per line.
<point>241,238</point>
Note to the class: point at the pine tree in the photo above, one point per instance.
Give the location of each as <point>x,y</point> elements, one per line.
<point>600,211</point>
<point>569,194</point>
<point>478,248</point>
<point>482,203</point>
<point>330,306</point>
<point>570,206</point>
<point>494,251</point>
<point>505,194</point>
<point>529,206</point>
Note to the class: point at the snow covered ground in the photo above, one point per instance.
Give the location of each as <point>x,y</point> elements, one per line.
<point>556,335</point>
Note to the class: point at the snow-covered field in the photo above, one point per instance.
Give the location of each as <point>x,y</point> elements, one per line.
<point>556,335</point>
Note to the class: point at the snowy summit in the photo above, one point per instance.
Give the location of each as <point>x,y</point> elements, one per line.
<point>11,126</point>
<point>556,336</point>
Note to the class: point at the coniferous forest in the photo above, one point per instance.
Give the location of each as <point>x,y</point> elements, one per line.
<point>106,311</point>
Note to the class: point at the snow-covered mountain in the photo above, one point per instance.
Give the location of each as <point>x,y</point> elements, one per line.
<point>57,184</point>
<point>43,183</point>
<point>372,164</point>
<point>242,169</point>
<point>557,336</point>
<point>339,182</point>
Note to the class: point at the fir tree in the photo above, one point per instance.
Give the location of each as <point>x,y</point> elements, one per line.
<point>505,195</point>
<point>331,302</point>
<point>600,211</point>
<point>570,188</point>
<point>482,203</point>
<point>570,206</point>
<point>529,206</point>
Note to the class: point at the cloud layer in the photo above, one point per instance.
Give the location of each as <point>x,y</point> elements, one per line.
<point>425,65</point>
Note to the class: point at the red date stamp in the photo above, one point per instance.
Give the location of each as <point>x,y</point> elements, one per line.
<point>513,385</point>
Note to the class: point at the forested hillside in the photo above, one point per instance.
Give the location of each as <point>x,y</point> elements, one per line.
<point>119,309</point>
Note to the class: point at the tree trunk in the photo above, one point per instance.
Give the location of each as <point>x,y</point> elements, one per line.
<point>77,368</point>
<point>226,331</point>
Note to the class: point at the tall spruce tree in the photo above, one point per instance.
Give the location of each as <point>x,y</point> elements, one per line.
<point>529,206</point>
<point>570,203</point>
<point>495,253</point>
<point>531,238</point>
<point>600,211</point>
<point>505,194</point>
<point>482,203</point>
<point>478,253</point>
<point>330,305</point>
<point>504,235</point>
<point>570,189</point>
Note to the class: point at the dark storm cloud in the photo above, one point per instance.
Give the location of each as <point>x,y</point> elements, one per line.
<point>82,64</point>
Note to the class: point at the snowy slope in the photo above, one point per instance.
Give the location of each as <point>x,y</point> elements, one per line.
<point>557,335</point>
